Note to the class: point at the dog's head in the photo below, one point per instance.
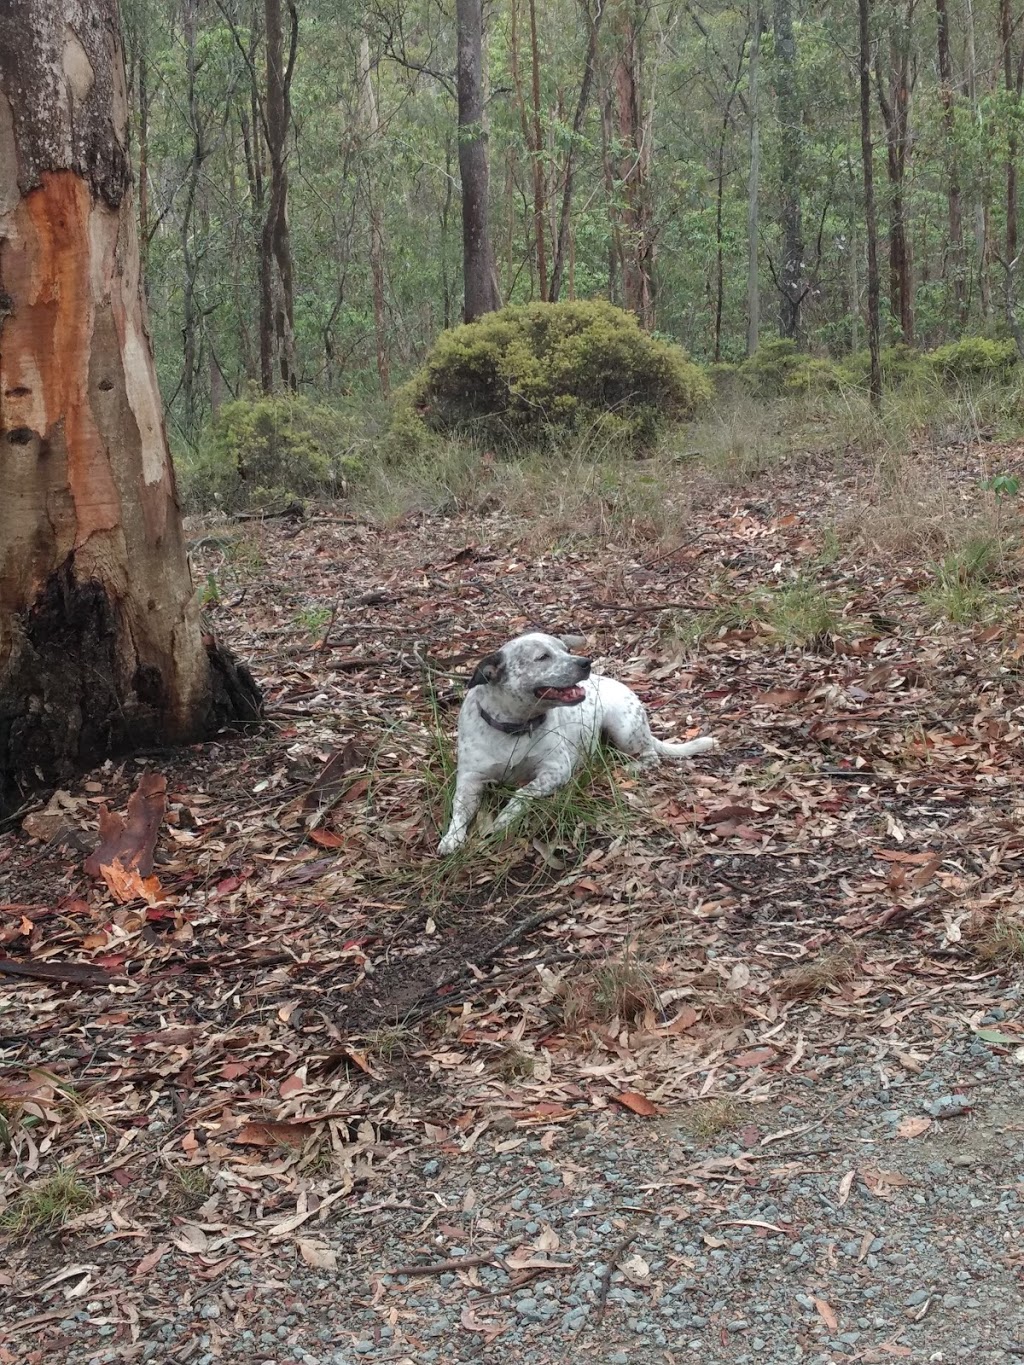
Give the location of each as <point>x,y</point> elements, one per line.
<point>534,669</point>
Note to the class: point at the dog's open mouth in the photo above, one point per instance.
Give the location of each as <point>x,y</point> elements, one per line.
<point>568,696</point>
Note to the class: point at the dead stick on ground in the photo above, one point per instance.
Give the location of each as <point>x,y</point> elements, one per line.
<point>427,1002</point>
<point>614,1255</point>
<point>443,1267</point>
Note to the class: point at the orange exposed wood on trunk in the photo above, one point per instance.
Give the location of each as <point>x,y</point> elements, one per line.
<point>44,367</point>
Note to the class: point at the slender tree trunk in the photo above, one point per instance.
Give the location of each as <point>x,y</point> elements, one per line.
<point>634,168</point>
<point>895,107</point>
<point>371,117</point>
<point>276,250</point>
<point>870,222</point>
<point>980,210</point>
<point>954,264</point>
<point>189,310</point>
<point>539,198</point>
<point>754,186</point>
<point>791,274</point>
<point>446,217</point>
<point>1006,30</point>
<point>593,22</point>
<point>101,648</point>
<point>480,277</point>
<point>719,243</point>
<point>615,248</point>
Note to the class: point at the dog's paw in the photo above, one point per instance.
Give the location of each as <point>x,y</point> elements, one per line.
<point>449,844</point>
<point>705,744</point>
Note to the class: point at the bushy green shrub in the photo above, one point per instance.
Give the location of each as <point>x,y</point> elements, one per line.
<point>778,367</point>
<point>974,358</point>
<point>766,371</point>
<point>900,365</point>
<point>262,451</point>
<point>525,374</point>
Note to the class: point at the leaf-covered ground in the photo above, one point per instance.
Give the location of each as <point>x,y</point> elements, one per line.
<point>298,1003</point>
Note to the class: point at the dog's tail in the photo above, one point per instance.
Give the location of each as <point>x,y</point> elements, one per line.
<point>694,746</point>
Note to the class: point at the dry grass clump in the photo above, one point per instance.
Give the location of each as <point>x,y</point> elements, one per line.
<point>997,939</point>
<point>620,990</point>
<point>709,1118</point>
<point>47,1204</point>
<point>818,977</point>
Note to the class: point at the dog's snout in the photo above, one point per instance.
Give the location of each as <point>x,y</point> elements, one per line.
<point>584,667</point>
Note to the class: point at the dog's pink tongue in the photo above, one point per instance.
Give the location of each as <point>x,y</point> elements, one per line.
<point>560,693</point>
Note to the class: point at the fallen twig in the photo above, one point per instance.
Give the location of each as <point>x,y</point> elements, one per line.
<point>606,1279</point>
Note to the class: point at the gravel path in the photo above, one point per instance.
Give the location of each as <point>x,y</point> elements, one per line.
<point>871,1210</point>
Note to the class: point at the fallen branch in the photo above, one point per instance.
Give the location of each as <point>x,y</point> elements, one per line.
<point>614,1256</point>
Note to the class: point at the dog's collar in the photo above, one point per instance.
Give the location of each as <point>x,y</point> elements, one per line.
<point>514,727</point>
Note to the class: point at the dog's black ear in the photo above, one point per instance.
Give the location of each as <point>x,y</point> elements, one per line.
<point>489,670</point>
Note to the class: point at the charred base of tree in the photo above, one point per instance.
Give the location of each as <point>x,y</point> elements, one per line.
<point>73,692</point>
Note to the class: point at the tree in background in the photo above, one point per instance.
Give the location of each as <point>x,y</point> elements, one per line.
<point>605,148</point>
<point>792,288</point>
<point>480,277</point>
<point>100,642</point>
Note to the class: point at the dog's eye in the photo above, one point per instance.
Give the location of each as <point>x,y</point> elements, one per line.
<point>542,657</point>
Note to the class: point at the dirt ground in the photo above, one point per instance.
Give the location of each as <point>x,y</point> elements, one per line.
<point>277,1063</point>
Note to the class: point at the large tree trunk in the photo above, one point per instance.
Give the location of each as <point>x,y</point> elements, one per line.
<point>480,276</point>
<point>791,273</point>
<point>100,642</point>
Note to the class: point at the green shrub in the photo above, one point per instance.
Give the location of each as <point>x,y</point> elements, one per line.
<point>778,367</point>
<point>900,364</point>
<point>525,374</point>
<point>974,358</point>
<point>813,375</point>
<point>766,371</point>
<point>265,450</point>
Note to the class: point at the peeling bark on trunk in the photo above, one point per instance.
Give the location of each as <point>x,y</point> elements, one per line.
<point>101,648</point>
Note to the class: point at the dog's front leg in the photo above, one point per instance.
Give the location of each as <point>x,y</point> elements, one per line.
<point>544,784</point>
<point>465,804</point>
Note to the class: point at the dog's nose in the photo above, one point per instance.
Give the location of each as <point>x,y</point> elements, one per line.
<point>584,667</point>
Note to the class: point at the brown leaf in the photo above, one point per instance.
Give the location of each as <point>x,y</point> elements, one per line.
<point>827,1315</point>
<point>685,1019</point>
<point>913,1127</point>
<point>317,1255</point>
<point>269,1133</point>
<point>131,844</point>
<point>151,1259</point>
<point>327,838</point>
<point>639,1104</point>
<point>756,1057</point>
<point>845,1186</point>
<point>782,696</point>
